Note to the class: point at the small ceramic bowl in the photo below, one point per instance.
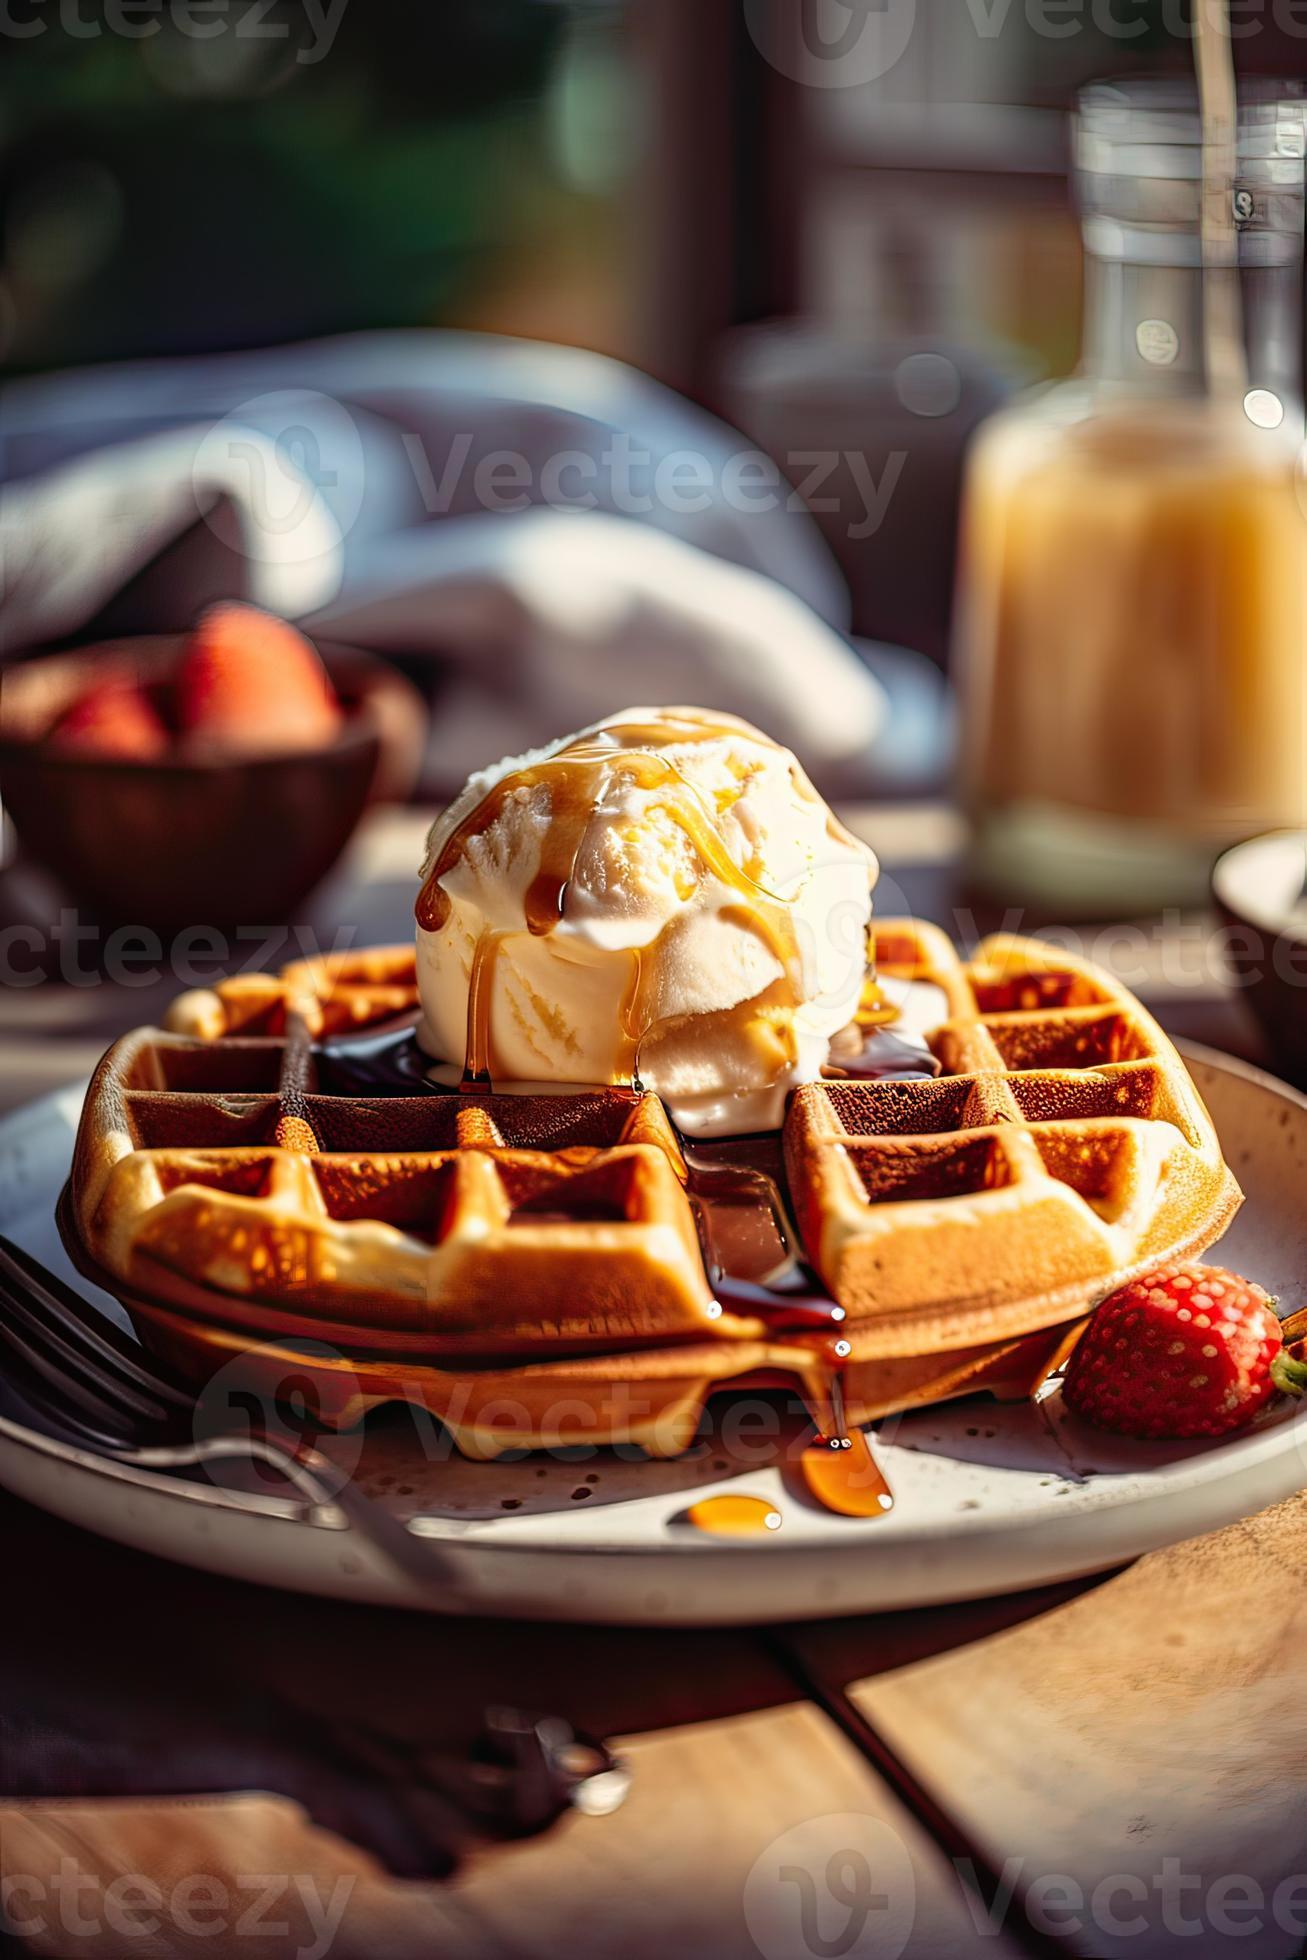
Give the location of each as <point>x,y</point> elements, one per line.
<point>220,842</point>
<point>1260,890</point>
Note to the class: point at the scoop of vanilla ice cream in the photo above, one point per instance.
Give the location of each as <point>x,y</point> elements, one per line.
<point>696,911</point>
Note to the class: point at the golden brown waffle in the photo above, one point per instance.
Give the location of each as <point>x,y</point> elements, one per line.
<point>529,1267</point>
<point>499,1221</point>
<point>335,993</point>
<point>1063,1150</point>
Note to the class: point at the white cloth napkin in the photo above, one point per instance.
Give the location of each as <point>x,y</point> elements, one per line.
<point>561,534</point>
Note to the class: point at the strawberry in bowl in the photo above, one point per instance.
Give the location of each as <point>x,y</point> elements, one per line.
<point>243,683</point>
<point>210,778</point>
<point>249,684</point>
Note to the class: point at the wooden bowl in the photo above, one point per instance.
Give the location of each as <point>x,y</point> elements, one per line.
<point>1259,891</point>
<point>188,841</point>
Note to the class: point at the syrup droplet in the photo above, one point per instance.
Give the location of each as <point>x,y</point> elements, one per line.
<point>734,1517</point>
<point>844,1476</point>
<point>875,1008</point>
<point>838,1466</point>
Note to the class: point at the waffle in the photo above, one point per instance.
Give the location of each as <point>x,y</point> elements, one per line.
<point>529,1267</point>
<point>1063,1150</point>
<point>335,993</point>
<point>499,1221</point>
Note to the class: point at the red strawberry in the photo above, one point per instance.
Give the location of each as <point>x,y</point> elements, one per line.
<point>1181,1351</point>
<point>250,684</point>
<point>112,718</point>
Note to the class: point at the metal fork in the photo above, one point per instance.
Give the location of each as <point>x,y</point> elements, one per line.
<point>100,1393</point>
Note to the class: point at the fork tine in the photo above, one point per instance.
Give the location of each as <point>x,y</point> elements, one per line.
<point>69,1363</point>
<point>89,1410</point>
<point>62,1308</point>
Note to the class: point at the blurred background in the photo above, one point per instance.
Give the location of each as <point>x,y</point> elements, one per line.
<point>631,176</point>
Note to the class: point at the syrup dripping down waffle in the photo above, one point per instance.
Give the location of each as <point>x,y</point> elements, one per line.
<point>530,1268</point>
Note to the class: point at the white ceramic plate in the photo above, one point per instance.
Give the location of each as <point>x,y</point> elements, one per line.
<point>990,1498</point>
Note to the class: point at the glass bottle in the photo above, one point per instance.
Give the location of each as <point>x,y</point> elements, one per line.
<point>1132,601</point>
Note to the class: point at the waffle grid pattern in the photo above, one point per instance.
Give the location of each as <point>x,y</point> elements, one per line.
<point>507,1219</point>
<point>1063,1143</point>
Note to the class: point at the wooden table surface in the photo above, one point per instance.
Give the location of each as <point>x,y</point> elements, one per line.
<point>1115,1767</point>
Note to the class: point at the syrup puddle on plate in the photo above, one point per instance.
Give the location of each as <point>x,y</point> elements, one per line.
<point>837,1469</point>
<point>731,1516</point>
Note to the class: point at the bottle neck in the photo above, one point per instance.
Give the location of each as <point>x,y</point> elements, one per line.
<point>1144,326</point>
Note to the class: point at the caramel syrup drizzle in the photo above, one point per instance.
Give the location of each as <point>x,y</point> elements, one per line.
<point>837,1465</point>
<point>875,1008</point>
<point>477,1069</point>
<point>570,776</point>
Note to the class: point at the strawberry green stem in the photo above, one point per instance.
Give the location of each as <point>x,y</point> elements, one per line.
<point>1288,1373</point>
<point>1293,1326</point>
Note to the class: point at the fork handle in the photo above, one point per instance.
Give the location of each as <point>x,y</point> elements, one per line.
<point>325,1489</point>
